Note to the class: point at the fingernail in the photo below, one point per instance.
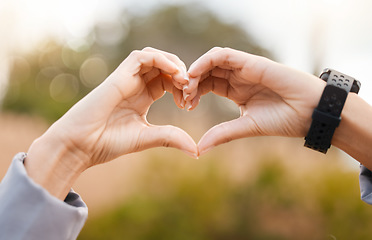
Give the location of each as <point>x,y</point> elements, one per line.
<point>185,75</point>
<point>182,103</point>
<point>188,105</point>
<point>185,87</point>
<point>191,154</point>
<point>185,96</point>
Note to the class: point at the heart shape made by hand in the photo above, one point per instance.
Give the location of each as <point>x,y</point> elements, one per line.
<point>273,99</point>
<point>111,120</point>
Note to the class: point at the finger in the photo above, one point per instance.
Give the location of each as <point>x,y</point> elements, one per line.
<point>143,60</point>
<point>159,85</point>
<point>177,84</point>
<point>162,83</point>
<point>149,75</point>
<point>195,79</point>
<point>216,85</point>
<point>188,93</point>
<point>168,136</point>
<point>191,87</point>
<point>219,86</point>
<point>212,50</point>
<point>182,76</point>
<point>225,58</point>
<point>170,56</point>
<point>178,98</point>
<point>226,132</point>
<point>192,104</point>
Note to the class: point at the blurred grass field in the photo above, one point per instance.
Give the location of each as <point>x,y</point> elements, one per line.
<point>257,188</point>
<point>239,191</point>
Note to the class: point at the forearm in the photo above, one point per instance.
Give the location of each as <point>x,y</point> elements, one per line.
<point>54,164</point>
<point>354,134</point>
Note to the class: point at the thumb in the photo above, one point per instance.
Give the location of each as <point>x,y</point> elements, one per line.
<point>226,132</point>
<point>169,136</point>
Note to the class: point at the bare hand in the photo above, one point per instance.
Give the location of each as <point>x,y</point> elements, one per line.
<point>273,99</point>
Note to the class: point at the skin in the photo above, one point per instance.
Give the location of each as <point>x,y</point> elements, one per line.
<point>111,121</point>
<point>274,100</point>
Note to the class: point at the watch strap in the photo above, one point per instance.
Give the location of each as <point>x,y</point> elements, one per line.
<point>327,115</point>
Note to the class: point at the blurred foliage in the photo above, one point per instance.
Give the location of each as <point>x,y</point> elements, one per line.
<point>51,79</point>
<point>185,203</point>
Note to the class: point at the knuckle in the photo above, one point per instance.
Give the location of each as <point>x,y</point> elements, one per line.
<point>175,58</point>
<point>166,144</point>
<point>166,140</point>
<point>135,53</point>
<point>148,49</point>
<point>228,50</point>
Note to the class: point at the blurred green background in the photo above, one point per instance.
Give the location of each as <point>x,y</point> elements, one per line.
<point>259,188</point>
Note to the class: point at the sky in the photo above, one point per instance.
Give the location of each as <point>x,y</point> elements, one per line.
<point>330,33</point>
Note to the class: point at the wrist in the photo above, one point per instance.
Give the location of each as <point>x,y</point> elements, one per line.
<point>54,165</point>
<point>326,116</point>
<point>354,136</point>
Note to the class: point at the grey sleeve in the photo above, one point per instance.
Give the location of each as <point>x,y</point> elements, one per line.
<point>365,181</point>
<point>27,211</point>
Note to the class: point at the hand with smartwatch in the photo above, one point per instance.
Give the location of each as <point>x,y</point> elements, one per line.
<point>111,121</point>
<point>274,100</point>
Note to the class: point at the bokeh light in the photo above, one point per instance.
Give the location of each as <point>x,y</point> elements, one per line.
<point>93,71</point>
<point>64,87</point>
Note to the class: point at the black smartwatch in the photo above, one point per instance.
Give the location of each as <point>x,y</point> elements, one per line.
<point>327,115</point>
